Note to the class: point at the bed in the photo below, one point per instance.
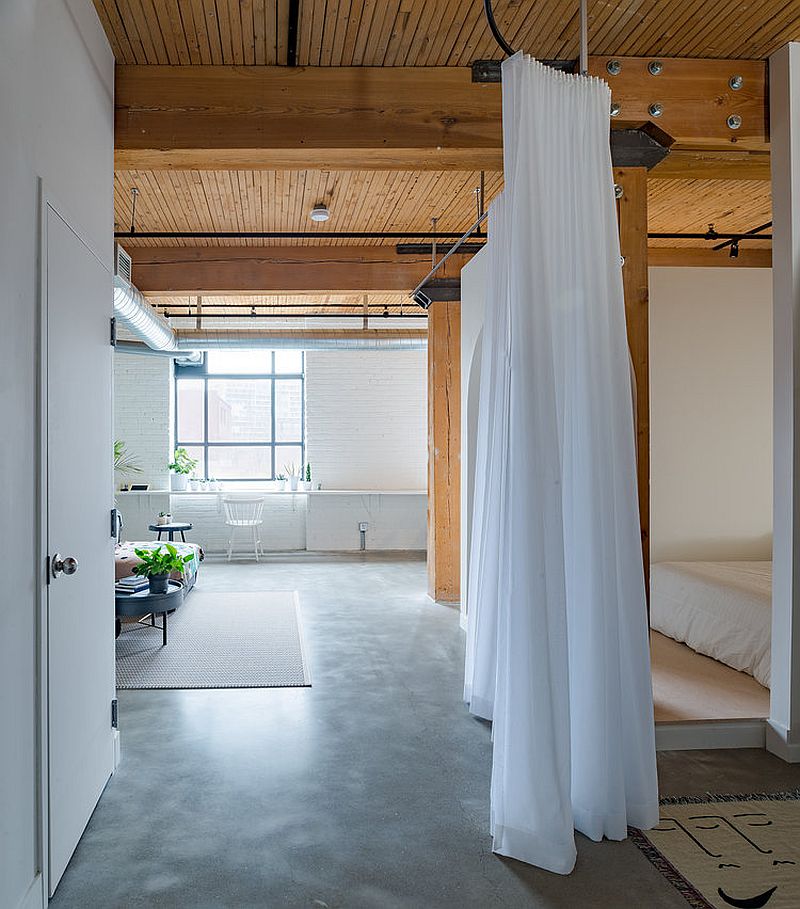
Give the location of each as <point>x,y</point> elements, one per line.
<point>125,558</point>
<point>720,609</point>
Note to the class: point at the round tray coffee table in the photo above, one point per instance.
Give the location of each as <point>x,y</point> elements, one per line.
<point>143,603</point>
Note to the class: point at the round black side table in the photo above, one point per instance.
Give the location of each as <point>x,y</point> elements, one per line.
<point>171,529</point>
<point>144,603</point>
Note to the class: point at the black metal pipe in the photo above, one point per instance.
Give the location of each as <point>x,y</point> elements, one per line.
<point>284,235</point>
<point>425,249</point>
<point>717,236</point>
<point>750,233</point>
<point>506,47</point>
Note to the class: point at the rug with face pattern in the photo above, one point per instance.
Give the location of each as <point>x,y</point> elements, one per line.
<point>729,850</point>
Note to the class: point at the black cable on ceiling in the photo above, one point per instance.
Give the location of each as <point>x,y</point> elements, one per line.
<point>498,37</point>
<point>292,32</point>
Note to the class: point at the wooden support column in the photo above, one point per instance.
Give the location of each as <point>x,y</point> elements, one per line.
<point>633,246</point>
<point>444,451</point>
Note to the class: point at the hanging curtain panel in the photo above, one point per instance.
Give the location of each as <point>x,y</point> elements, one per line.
<point>490,476</point>
<point>557,635</point>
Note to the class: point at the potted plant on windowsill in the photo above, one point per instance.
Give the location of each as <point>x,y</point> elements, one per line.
<point>157,564</point>
<point>281,481</point>
<point>293,473</point>
<point>181,467</point>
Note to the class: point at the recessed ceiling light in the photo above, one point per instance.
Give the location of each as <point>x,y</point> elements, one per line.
<point>320,212</point>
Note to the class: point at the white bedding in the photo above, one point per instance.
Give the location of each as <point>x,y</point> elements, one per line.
<point>720,609</point>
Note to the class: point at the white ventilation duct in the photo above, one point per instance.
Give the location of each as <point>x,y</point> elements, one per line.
<point>141,319</point>
<point>148,326</point>
<point>138,316</point>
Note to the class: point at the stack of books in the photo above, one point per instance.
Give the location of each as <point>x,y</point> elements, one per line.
<point>133,584</point>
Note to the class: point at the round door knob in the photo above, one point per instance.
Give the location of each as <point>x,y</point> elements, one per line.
<point>64,565</point>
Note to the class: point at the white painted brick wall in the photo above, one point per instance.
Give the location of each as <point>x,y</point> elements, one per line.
<point>366,428</point>
<point>284,527</point>
<point>142,414</point>
<point>366,418</point>
<point>394,521</point>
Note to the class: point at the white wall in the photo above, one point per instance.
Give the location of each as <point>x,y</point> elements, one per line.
<point>711,413</point>
<point>366,418</point>
<point>142,410</point>
<point>56,121</point>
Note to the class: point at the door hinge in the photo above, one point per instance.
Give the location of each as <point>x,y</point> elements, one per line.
<point>114,715</point>
<point>113,335</point>
<point>114,522</point>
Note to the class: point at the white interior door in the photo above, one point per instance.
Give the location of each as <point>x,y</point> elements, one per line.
<point>79,608</point>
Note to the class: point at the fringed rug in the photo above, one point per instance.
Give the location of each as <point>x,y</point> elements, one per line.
<point>218,640</point>
<point>729,850</point>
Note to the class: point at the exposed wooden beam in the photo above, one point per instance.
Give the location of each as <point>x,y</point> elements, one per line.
<point>245,270</point>
<point>695,97</point>
<point>225,117</point>
<point>688,164</point>
<point>633,246</point>
<point>692,257</point>
<point>444,451</point>
<point>399,118</point>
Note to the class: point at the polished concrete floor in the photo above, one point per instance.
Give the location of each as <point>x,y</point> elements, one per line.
<point>369,789</point>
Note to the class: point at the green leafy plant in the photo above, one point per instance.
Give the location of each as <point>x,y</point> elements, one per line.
<point>182,463</point>
<point>124,462</point>
<point>281,476</point>
<point>308,473</point>
<point>159,561</point>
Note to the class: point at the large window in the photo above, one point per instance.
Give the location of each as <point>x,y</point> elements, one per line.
<point>242,414</point>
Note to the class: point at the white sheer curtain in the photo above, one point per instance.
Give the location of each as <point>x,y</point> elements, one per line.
<point>557,648</point>
<point>490,469</point>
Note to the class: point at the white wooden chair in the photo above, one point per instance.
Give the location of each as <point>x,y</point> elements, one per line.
<point>244,512</point>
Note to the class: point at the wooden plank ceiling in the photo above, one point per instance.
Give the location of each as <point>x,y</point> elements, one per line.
<point>281,201</point>
<point>277,305</point>
<point>411,33</point>
<point>438,32</point>
<point>386,201</point>
<point>689,206</point>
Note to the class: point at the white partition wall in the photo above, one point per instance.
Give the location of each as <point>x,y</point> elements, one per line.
<point>783,734</point>
<point>710,413</point>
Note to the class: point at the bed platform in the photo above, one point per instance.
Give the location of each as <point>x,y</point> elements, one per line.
<point>689,687</point>
<point>720,609</point>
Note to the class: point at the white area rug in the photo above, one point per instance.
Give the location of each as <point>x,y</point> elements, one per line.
<point>218,640</point>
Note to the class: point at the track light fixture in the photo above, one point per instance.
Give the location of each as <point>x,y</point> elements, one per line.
<point>734,253</point>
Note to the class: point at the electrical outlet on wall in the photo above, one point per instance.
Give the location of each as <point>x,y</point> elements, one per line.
<point>363,527</point>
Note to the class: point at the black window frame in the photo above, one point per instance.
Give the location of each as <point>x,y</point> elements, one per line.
<point>201,372</point>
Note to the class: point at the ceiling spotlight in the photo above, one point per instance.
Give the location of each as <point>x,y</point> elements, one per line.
<point>734,253</point>
<point>320,212</point>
